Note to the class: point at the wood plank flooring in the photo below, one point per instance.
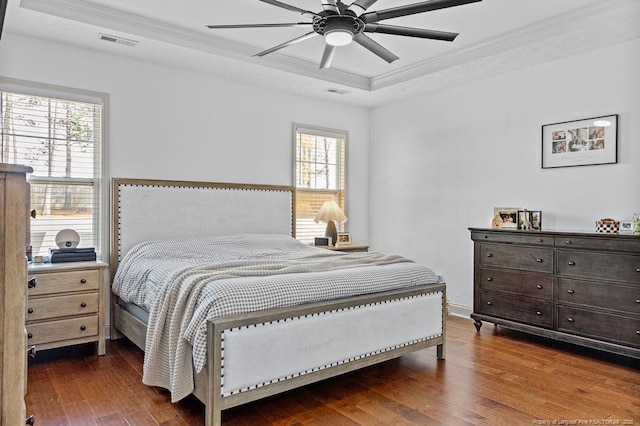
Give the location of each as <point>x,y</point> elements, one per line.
<point>495,377</point>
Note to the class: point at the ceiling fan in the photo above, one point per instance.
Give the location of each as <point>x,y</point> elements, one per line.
<point>340,24</point>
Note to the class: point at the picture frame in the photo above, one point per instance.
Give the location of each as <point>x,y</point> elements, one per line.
<point>626,227</point>
<point>536,220</point>
<point>344,238</point>
<point>585,142</point>
<point>505,217</point>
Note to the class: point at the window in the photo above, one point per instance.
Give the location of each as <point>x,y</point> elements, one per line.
<point>319,176</point>
<point>62,140</point>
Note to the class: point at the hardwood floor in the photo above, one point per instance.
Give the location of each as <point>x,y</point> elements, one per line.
<point>495,377</point>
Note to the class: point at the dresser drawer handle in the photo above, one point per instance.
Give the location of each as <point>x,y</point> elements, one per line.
<point>538,313</point>
<point>489,279</point>
<point>83,328</point>
<point>567,242</point>
<point>83,305</point>
<point>489,255</point>
<point>637,331</point>
<point>638,270</point>
<point>30,310</point>
<point>571,263</point>
<point>540,240</point>
<point>637,300</point>
<point>83,281</point>
<point>571,291</point>
<point>539,260</point>
<point>32,283</point>
<point>489,303</point>
<point>29,336</point>
<point>486,236</point>
<point>569,319</point>
<point>539,287</point>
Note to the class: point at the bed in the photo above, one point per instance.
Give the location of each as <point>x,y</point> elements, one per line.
<point>379,306</point>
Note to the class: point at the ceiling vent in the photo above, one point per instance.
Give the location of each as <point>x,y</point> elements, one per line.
<point>337,91</point>
<point>118,40</point>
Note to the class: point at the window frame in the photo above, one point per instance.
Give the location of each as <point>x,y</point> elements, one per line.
<point>101,225</point>
<point>326,132</point>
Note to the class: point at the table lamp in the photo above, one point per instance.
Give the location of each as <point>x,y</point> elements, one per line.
<point>330,213</point>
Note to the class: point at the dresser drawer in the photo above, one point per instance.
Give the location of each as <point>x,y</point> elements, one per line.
<point>61,282</point>
<point>503,237</point>
<point>530,311</point>
<point>523,283</point>
<point>61,306</point>
<point>614,297</point>
<point>524,258</point>
<point>53,331</point>
<point>613,328</point>
<point>607,266</point>
<point>611,243</point>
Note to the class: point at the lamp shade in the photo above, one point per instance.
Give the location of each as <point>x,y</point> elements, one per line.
<point>329,211</point>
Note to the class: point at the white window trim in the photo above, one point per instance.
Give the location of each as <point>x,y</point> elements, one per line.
<point>80,95</point>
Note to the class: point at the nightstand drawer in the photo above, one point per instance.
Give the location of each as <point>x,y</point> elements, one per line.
<point>62,282</point>
<point>54,331</point>
<point>516,308</point>
<point>62,306</point>
<point>522,283</point>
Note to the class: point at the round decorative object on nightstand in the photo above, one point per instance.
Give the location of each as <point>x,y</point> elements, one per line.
<point>67,238</point>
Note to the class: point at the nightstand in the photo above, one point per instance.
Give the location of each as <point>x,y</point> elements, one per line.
<point>348,248</point>
<point>67,305</point>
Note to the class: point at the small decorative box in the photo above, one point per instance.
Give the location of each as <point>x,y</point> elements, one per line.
<point>607,226</point>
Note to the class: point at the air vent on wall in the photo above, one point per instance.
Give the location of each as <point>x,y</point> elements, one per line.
<point>118,40</point>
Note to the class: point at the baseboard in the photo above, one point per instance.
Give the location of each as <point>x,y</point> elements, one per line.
<point>461,311</point>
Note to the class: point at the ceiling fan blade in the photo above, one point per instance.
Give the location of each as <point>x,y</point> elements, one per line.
<point>374,47</point>
<point>412,9</point>
<point>287,43</point>
<point>292,24</point>
<point>330,6</point>
<point>327,56</point>
<point>289,7</point>
<point>410,32</point>
<point>358,7</point>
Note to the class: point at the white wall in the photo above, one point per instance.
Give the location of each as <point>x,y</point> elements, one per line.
<point>441,161</point>
<point>169,123</point>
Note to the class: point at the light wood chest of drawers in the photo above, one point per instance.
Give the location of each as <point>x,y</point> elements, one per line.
<point>582,288</point>
<point>66,307</point>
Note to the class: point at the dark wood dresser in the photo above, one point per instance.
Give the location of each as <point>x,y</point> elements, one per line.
<point>577,287</point>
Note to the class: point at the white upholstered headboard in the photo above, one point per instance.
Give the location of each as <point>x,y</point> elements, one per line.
<point>147,209</point>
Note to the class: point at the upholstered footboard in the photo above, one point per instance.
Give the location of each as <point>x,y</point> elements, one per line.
<point>260,354</point>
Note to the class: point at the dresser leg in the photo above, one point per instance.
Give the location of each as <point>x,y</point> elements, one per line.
<point>478,324</point>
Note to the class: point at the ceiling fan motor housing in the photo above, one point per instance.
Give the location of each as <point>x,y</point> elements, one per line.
<point>331,23</point>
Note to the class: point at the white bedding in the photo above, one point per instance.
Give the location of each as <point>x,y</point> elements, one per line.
<point>186,281</point>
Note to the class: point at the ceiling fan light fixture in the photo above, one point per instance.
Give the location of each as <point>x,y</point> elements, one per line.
<point>338,37</point>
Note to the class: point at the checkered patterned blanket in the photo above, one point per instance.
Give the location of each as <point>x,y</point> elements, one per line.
<point>186,281</point>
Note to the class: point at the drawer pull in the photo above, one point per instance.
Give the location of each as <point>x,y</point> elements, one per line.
<point>539,287</point>
<point>567,242</point>
<point>30,420</point>
<point>538,313</point>
<point>489,303</point>
<point>32,282</point>
<point>540,240</point>
<point>637,300</point>
<point>569,319</point>
<point>83,305</point>
<point>637,331</point>
<point>489,279</point>
<point>571,263</point>
<point>539,260</point>
<point>486,236</point>
<point>31,351</point>
<point>29,336</point>
<point>571,291</point>
<point>638,270</point>
<point>83,328</point>
<point>83,281</point>
<point>30,310</point>
<point>489,255</point>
